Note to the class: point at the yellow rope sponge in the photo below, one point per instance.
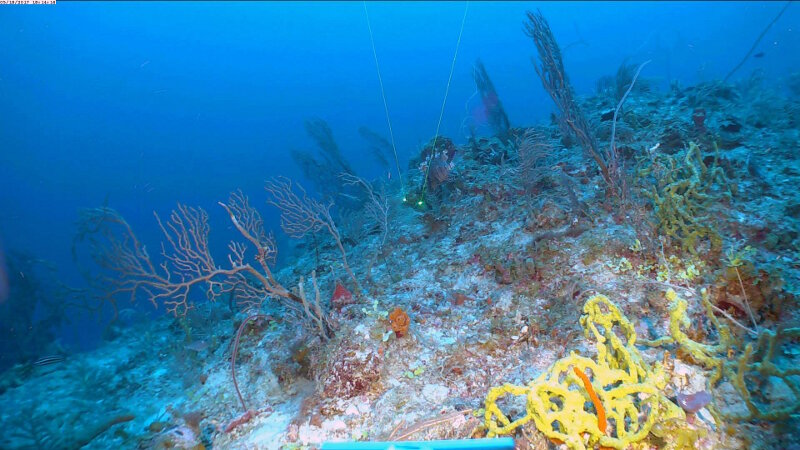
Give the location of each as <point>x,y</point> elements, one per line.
<point>562,408</point>
<point>737,360</point>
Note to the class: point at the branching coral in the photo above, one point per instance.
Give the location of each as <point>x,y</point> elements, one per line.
<point>127,271</point>
<point>681,197</point>
<point>497,117</point>
<point>321,133</point>
<point>303,215</point>
<point>322,167</point>
<point>622,387</point>
<point>555,81</point>
<point>379,147</point>
<point>533,149</point>
<point>376,204</point>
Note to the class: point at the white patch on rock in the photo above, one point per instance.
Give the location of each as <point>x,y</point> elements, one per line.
<point>435,393</point>
<point>334,425</point>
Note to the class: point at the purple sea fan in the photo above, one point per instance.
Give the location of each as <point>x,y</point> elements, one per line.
<point>692,403</point>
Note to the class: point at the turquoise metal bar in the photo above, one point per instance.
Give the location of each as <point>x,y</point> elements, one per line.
<point>505,443</point>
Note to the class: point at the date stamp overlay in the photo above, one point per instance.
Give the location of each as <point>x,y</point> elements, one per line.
<point>27,2</point>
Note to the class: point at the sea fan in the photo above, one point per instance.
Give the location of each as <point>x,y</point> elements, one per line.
<point>533,151</point>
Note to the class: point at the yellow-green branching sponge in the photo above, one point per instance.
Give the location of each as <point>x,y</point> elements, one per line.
<point>738,359</point>
<point>683,191</point>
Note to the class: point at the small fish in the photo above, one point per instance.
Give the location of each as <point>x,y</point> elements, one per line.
<point>48,360</point>
<point>348,196</point>
<point>759,55</point>
<point>197,346</point>
<point>199,335</point>
<point>130,315</point>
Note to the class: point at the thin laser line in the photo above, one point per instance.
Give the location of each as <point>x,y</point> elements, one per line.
<point>385,104</point>
<point>444,102</point>
<point>755,44</point>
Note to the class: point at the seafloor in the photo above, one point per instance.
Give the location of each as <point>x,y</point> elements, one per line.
<point>493,274</point>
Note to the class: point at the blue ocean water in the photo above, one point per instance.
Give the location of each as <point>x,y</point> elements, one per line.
<point>138,106</point>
